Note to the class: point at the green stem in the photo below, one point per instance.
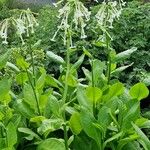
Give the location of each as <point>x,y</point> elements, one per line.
<point>93,85</point>
<point>34,92</point>
<point>109,60</point>
<point>64,99</point>
<point>66,136</point>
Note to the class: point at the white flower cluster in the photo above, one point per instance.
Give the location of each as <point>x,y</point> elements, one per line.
<point>80,15</point>
<point>24,24</point>
<point>108,12</point>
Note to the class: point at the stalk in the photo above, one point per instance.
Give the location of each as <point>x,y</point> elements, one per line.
<point>34,92</point>
<point>64,99</point>
<point>33,85</point>
<point>93,85</point>
<point>109,60</point>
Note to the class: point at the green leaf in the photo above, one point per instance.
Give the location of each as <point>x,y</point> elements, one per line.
<point>123,142</point>
<point>87,122</point>
<point>21,78</point>
<point>139,91</point>
<point>131,115</point>
<point>51,144</point>
<point>41,81</point>
<point>29,96</point>
<point>54,105</point>
<point>114,90</point>
<point>115,137</point>
<point>82,98</point>
<point>145,141</point>
<point>125,54</point>
<point>50,125</point>
<point>55,57</point>
<point>75,124</point>
<point>51,81</point>
<point>93,93</point>
<point>22,63</point>
<point>120,69</point>
<point>29,132</point>
<point>5,85</point>
<point>24,109</point>
<point>77,64</point>
<point>12,66</point>
<point>11,134</point>
<point>3,59</point>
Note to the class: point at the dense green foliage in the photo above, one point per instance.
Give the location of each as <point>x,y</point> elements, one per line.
<point>56,96</point>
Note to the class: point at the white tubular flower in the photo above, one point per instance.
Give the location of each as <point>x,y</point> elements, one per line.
<point>24,24</point>
<point>108,12</point>
<point>80,15</point>
<point>3,32</point>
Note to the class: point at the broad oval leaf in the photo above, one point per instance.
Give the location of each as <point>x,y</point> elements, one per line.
<point>139,91</point>
<point>51,144</point>
<point>75,124</point>
<point>93,93</point>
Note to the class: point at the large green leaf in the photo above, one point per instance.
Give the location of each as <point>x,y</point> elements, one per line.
<point>29,96</point>
<point>131,115</point>
<point>125,54</point>
<point>4,87</point>
<point>51,144</point>
<point>24,109</point>
<point>75,124</point>
<point>11,134</point>
<point>114,90</point>
<point>49,125</point>
<point>145,141</point>
<point>82,98</point>
<point>87,122</point>
<point>93,93</point>
<point>139,91</point>
<point>124,141</point>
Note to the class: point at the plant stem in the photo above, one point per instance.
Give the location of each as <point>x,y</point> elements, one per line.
<point>64,99</point>
<point>109,60</point>
<point>65,136</point>
<point>93,85</point>
<point>34,91</point>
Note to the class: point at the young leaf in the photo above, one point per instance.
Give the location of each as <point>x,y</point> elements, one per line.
<point>139,91</point>
<point>51,144</point>
<point>120,69</point>
<point>55,57</point>
<point>125,54</point>
<point>75,124</point>
<point>12,66</point>
<point>114,90</point>
<point>77,64</point>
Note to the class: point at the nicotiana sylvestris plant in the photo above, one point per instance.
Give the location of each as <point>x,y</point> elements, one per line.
<point>24,24</point>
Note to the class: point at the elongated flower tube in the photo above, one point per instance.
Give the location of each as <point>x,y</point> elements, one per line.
<point>108,12</point>
<point>25,24</point>
<point>73,15</point>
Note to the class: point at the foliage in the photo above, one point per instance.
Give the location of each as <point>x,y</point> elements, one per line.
<point>133,29</point>
<point>84,105</point>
